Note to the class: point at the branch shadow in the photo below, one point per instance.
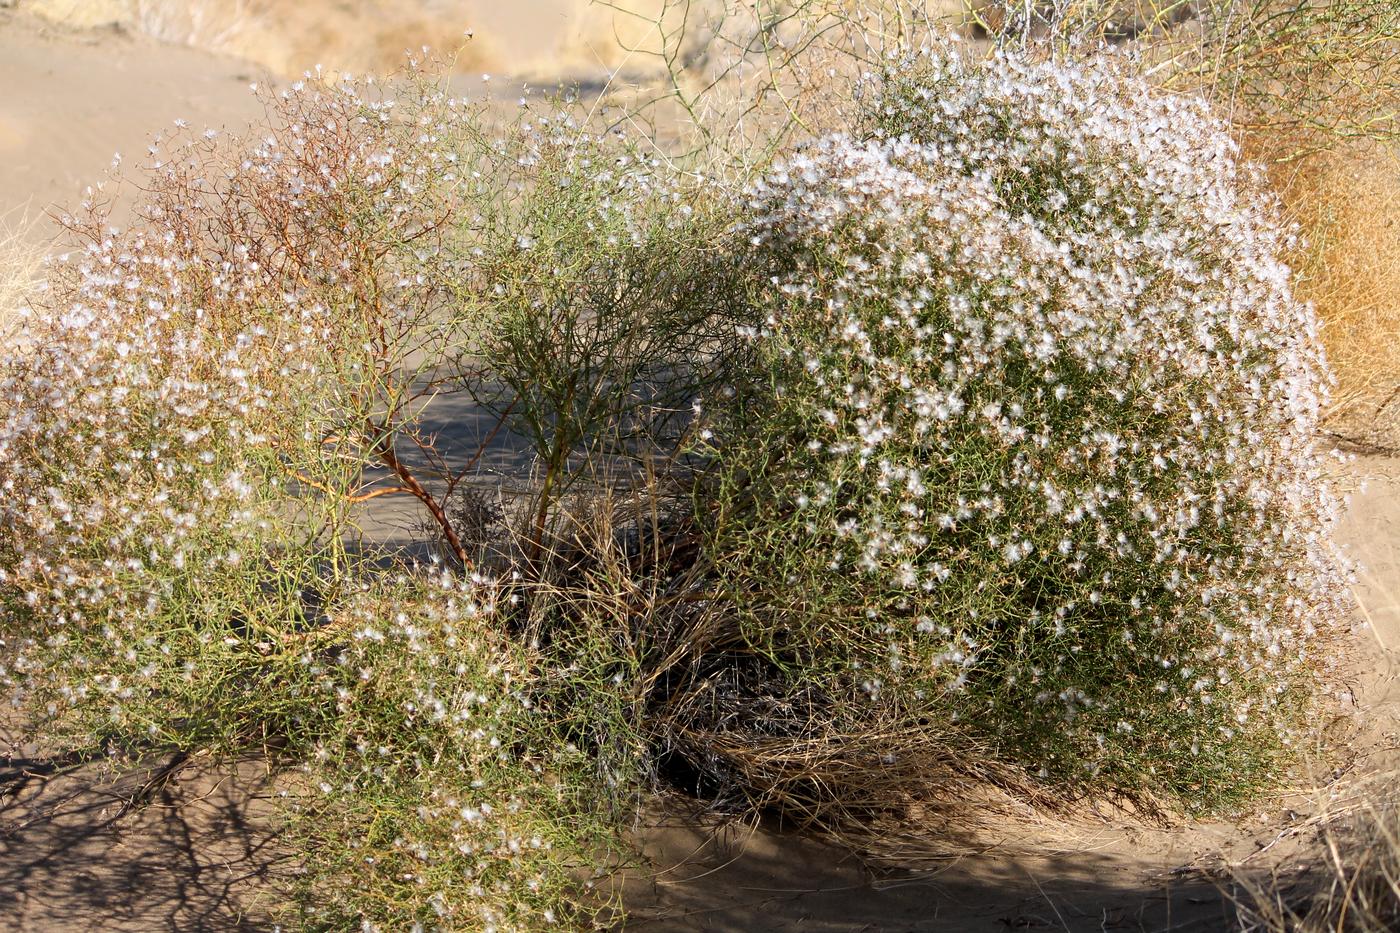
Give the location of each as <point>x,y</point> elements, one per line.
<point>734,877</point>
<point>199,852</point>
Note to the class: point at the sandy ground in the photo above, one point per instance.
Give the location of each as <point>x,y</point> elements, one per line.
<point>91,78</point>
<point>200,855</point>
<point>70,100</point>
<point>1091,873</point>
<point>547,39</point>
<point>74,855</point>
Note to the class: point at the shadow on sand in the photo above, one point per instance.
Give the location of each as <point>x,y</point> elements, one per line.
<point>201,855</point>
<point>739,878</point>
<point>196,852</point>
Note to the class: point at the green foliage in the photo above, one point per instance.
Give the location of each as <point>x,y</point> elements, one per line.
<point>976,446</point>
<point>197,408</point>
<point>434,790</point>
<point>612,298</point>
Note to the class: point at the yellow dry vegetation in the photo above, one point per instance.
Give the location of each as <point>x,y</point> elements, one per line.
<point>1348,878</point>
<point>1347,203</point>
<point>19,266</point>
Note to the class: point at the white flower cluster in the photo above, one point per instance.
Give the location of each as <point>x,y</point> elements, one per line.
<point>129,465</point>
<point>426,798</point>
<point>185,394</point>
<point>1051,399</point>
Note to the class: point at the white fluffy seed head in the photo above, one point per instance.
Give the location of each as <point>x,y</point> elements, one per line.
<point>1058,399</point>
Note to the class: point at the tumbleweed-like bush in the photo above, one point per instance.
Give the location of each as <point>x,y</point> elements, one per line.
<point>1034,458</point>
<point>193,403</point>
<point>434,790</point>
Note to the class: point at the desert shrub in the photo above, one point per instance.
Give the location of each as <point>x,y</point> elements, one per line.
<point>141,505</point>
<point>435,791</point>
<point>1309,85</point>
<point>195,401</point>
<point>197,410</point>
<point>607,280</point>
<point>1033,457</point>
<point>1007,469</point>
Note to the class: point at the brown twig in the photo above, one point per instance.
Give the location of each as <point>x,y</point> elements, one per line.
<point>383,443</point>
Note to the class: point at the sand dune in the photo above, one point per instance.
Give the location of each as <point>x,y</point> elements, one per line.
<point>90,78</point>
<point>75,98</point>
<point>542,38</point>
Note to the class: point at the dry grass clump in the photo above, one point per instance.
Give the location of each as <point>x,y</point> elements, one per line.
<point>1349,881</point>
<point>662,683</point>
<point>1347,201</point>
<point>736,730</point>
<point>19,275</point>
<point>1315,70</point>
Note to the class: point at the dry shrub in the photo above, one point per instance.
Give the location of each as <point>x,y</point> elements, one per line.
<point>661,683</point>
<point>726,84</point>
<point>744,735</point>
<point>1317,70</point>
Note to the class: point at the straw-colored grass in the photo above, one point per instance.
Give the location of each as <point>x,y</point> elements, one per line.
<point>1348,880</point>
<point>19,267</point>
<point>1346,202</point>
